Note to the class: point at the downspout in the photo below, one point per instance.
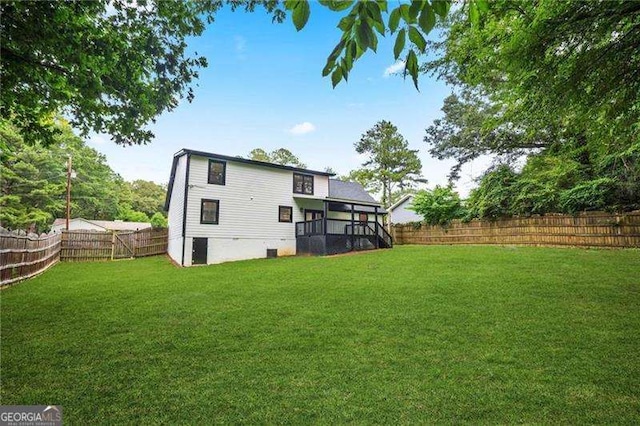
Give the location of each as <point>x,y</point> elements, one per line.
<point>184,210</point>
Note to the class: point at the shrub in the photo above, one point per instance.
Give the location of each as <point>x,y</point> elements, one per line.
<point>590,195</point>
<point>438,206</point>
<point>133,216</point>
<point>158,220</point>
<point>493,198</point>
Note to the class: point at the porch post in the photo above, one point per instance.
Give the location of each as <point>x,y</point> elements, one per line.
<point>353,240</point>
<point>324,216</point>
<point>375,209</point>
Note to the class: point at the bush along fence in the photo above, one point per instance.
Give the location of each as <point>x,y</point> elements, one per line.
<point>23,256</point>
<point>592,229</point>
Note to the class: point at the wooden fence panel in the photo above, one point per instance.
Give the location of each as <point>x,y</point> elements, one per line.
<point>82,245</point>
<point>24,256</point>
<point>593,229</point>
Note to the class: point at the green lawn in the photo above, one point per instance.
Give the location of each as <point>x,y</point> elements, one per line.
<point>413,334</point>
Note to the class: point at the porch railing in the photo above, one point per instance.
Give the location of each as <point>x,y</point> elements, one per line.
<point>342,227</point>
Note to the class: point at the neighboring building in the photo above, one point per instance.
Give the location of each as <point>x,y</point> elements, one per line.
<point>225,208</point>
<point>98,225</point>
<point>400,213</point>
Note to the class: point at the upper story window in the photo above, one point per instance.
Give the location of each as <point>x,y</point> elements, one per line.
<point>302,184</point>
<point>217,172</point>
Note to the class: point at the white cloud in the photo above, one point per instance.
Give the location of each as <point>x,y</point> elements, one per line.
<point>395,68</point>
<point>241,44</point>
<point>241,47</point>
<point>302,128</point>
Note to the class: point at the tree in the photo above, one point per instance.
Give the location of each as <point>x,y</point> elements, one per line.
<point>564,178</point>
<point>133,216</point>
<point>493,197</point>
<point>543,71</point>
<point>33,180</point>
<point>115,65</point>
<point>390,163</point>
<point>147,196</point>
<point>473,126</point>
<point>438,206</point>
<point>112,65</point>
<point>32,183</point>
<point>278,156</point>
<point>364,177</point>
<point>159,221</point>
<point>259,154</point>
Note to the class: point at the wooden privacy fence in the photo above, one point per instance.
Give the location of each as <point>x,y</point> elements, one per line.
<point>23,256</point>
<point>82,245</point>
<point>593,229</point>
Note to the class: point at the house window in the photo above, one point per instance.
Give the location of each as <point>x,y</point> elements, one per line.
<point>209,211</point>
<point>217,172</point>
<point>364,217</point>
<point>285,214</point>
<point>302,184</point>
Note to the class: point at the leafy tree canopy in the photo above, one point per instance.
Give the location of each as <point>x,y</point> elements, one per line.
<point>278,156</point>
<point>113,66</point>
<point>147,196</point>
<point>566,178</point>
<point>159,221</point>
<point>390,164</point>
<point>110,65</point>
<point>438,206</point>
<point>33,183</point>
<point>537,73</point>
<point>33,180</point>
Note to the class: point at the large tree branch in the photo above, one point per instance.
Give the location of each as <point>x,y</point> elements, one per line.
<point>10,54</point>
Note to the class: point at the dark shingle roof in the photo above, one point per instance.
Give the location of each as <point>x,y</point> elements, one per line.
<point>349,191</point>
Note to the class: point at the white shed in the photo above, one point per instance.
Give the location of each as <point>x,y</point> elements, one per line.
<point>400,213</point>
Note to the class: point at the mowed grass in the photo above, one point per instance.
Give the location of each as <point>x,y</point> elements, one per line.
<point>413,334</point>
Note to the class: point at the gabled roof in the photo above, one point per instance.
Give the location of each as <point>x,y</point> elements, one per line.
<point>341,191</point>
<point>400,201</point>
<point>349,191</point>
<point>186,151</point>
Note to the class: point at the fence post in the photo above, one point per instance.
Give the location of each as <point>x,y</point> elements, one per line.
<point>113,243</point>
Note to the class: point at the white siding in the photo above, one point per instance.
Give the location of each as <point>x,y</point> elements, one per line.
<point>347,216</point>
<point>176,210</point>
<point>400,214</point>
<point>248,217</point>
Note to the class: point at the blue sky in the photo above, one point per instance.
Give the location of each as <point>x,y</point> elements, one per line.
<point>263,88</point>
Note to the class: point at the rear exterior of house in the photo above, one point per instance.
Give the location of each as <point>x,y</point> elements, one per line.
<point>223,208</point>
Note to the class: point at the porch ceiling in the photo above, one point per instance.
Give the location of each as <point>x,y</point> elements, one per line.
<point>355,203</point>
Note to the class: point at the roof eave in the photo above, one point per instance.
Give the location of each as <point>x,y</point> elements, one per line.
<point>254,162</point>
<point>400,201</point>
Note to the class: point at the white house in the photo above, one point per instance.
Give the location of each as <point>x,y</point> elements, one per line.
<point>224,208</point>
<point>400,213</point>
<point>79,223</point>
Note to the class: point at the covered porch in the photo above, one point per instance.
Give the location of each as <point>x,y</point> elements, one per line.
<point>341,226</point>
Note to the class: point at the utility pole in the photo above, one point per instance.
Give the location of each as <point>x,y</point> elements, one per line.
<point>68,191</point>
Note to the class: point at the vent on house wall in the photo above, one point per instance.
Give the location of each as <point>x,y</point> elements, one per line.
<point>271,253</point>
